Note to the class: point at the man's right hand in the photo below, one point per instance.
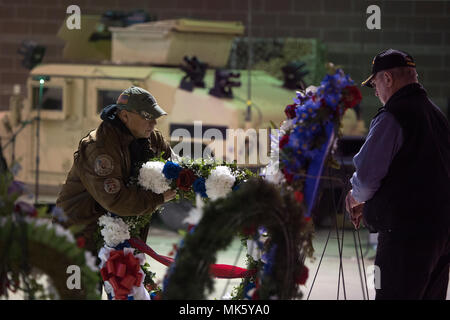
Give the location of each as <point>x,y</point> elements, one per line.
<point>169,195</point>
<point>356,215</point>
<point>354,208</point>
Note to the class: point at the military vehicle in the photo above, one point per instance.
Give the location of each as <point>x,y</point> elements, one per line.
<point>75,93</point>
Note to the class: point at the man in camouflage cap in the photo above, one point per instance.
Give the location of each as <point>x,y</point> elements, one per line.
<point>106,165</point>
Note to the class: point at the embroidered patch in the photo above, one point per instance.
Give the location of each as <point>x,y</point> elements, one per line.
<point>123,98</point>
<point>111,185</point>
<point>103,165</point>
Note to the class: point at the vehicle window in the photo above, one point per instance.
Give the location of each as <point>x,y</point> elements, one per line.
<point>106,97</point>
<point>51,99</point>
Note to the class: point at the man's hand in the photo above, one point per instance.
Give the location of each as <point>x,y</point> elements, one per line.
<point>356,216</point>
<point>354,208</point>
<point>169,195</point>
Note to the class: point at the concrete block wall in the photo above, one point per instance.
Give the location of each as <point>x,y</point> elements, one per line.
<point>420,27</point>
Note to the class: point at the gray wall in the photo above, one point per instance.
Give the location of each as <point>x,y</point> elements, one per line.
<point>420,27</point>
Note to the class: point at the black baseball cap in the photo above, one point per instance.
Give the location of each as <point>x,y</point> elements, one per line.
<point>140,101</point>
<point>389,59</point>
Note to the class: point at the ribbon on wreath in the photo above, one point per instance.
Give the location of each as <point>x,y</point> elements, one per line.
<point>221,271</point>
<point>122,271</point>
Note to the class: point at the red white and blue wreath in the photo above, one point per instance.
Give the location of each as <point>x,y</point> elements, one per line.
<point>121,265</point>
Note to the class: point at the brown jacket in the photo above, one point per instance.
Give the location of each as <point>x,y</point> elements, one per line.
<point>99,180</point>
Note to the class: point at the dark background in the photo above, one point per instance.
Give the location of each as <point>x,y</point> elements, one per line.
<point>421,28</point>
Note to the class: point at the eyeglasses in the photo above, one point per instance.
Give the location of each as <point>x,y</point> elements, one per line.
<point>140,115</point>
<point>372,82</point>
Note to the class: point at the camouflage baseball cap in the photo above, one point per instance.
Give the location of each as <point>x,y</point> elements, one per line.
<point>138,100</point>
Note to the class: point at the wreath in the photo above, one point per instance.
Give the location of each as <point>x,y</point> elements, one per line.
<point>32,246</point>
<point>278,207</point>
<point>256,204</point>
<point>122,267</point>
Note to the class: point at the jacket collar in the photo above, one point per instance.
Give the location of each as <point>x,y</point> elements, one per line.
<point>409,89</point>
<point>120,130</point>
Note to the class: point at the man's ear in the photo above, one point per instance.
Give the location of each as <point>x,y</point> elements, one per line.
<point>122,114</point>
<point>388,79</point>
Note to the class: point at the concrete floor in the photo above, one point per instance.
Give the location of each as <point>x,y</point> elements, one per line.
<point>326,284</point>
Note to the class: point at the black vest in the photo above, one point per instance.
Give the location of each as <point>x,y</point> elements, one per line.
<point>415,194</point>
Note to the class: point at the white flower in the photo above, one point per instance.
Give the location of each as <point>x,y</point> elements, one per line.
<point>58,229</point>
<point>91,261</point>
<point>219,182</point>
<point>114,231</point>
<point>152,178</point>
<point>272,172</point>
<point>195,214</point>
<point>274,176</point>
<point>311,90</point>
<point>227,296</point>
<point>253,250</point>
<point>286,126</point>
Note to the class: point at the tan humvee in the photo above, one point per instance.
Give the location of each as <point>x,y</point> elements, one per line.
<point>76,93</point>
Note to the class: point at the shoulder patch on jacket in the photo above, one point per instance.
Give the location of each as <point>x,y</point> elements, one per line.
<point>111,185</point>
<point>104,165</point>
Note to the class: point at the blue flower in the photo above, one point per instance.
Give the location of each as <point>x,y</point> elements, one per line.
<point>332,99</point>
<point>200,187</point>
<point>268,259</point>
<point>307,111</point>
<point>58,214</point>
<point>301,98</point>
<point>249,291</point>
<point>171,170</point>
<point>17,187</point>
<point>336,82</point>
<point>124,244</point>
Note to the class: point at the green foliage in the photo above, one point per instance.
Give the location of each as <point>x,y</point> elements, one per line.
<point>271,54</point>
<point>256,203</point>
<point>29,242</point>
<point>202,168</point>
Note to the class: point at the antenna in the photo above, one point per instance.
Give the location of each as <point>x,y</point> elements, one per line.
<point>248,116</point>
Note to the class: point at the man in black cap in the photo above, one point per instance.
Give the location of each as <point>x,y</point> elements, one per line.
<point>106,165</point>
<point>401,185</point>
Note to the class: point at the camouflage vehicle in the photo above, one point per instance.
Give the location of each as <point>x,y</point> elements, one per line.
<point>75,94</point>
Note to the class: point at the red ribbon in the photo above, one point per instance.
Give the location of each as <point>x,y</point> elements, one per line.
<point>221,271</point>
<point>122,272</point>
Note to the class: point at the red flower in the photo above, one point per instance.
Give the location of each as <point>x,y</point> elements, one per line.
<point>289,176</point>
<point>174,250</point>
<point>301,279</point>
<point>150,286</point>
<point>290,111</point>
<point>351,97</point>
<point>81,242</point>
<point>283,141</point>
<point>185,179</point>
<point>249,230</point>
<point>298,196</point>
<point>25,208</point>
